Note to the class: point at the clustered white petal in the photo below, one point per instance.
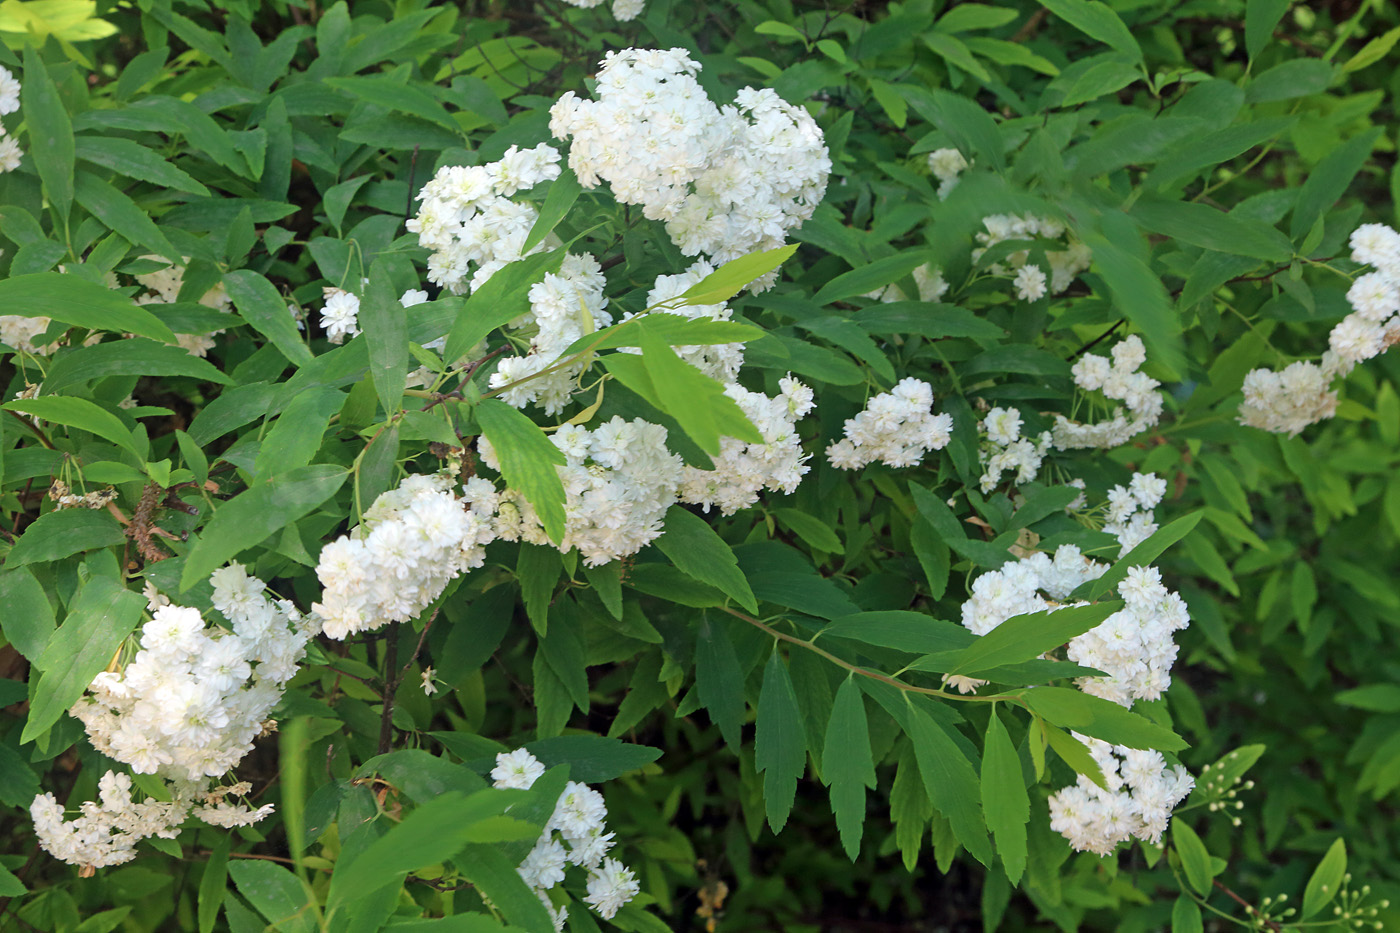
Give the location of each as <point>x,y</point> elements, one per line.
<point>622,10</point>
<point>576,834</point>
<point>340,316</point>
<point>1119,380</point>
<point>414,540</point>
<point>1137,802</point>
<point>1129,517</point>
<point>946,165</point>
<point>897,428</point>
<point>1286,402</point>
<point>1003,449</point>
<point>10,153</point>
<point>1065,263</point>
<point>928,279</point>
<point>726,181</point>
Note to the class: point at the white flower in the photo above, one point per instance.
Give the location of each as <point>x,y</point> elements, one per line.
<point>340,315</point>
<point>897,428</point>
<point>518,769</point>
<point>9,92</point>
<point>1030,283</point>
<point>10,154</point>
<point>610,887</point>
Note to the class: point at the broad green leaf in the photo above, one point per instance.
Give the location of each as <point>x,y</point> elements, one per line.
<point>1297,77</point>
<point>954,52</point>
<point>50,133</point>
<point>1097,21</point>
<point>1100,718</point>
<point>695,549</point>
<point>719,679</point>
<point>528,461</point>
<point>386,331</point>
<point>1186,916</point>
<point>280,896</point>
<point>81,414</point>
<point>913,632</point>
<point>1004,798</point>
<point>213,884</point>
<point>76,301</point>
<point>537,568</point>
<point>412,99</point>
<point>1141,556</point>
<point>809,528</point>
<point>1195,860</point>
<point>562,195</point>
<point>866,279</point>
<point>122,214</point>
<point>1136,289</point>
<point>697,401</point>
<point>255,514</point>
<point>135,161</point>
<point>950,781</point>
<point>970,127</point>
<point>495,877</point>
<point>265,310</point>
<point>99,619</point>
<point>848,766</point>
<point>889,99</point>
<point>10,886</point>
<point>592,758</point>
<point>296,434</point>
<point>136,356</point>
<point>966,16</point>
<point>780,742</point>
<point>1261,17</point>
<point>1204,226</point>
<point>1326,879</point>
<point>931,320</point>
<point>503,298</point>
<point>1326,184</point>
<point>1027,636</point>
<point>731,278</point>
<point>1074,752</point>
<point>27,621</point>
<point>61,533</point>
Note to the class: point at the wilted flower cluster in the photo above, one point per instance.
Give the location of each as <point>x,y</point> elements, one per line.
<point>1065,263</point>
<point>726,181</point>
<point>623,10</point>
<point>619,480</point>
<point>1140,793</point>
<point>414,540</point>
<point>946,165</point>
<point>897,428</point>
<point>1286,402</point>
<point>10,153</point>
<point>1119,380</point>
<point>162,286</point>
<point>1003,449</point>
<point>576,834</point>
<point>742,469</point>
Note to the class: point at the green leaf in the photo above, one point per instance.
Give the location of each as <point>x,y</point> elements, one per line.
<point>1139,291</point>
<point>695,549</point>
<point>99,619</point>
<point>1326,879</point>
<point>386,92</point>
<point>1100,718</point>
<point>719,679</point>
<point>1326,184</point>
<point>966,16</point>
<point>955,53</point>
<point>50,132</point>
<point>537,569</point>
<point>135,161</point>
<point>913,632</point>
<point>503,298</point>
<point>1097,21</point>
<point>59,534</point>
<point>1201,225</point>
<point>930,320</point>
<point>780,742</point>
<point>950,780</point>
<point>1004,798</point>
<point>1297,77</point>
<point>386,331</point>
<point>255,514</point>
<point>1027,636</point>
<point>81,414</point>
<point>866,279</point>
<point>1186,916</point>
<point>1141,556</point>
<point>1074,752</point>
<point>136,356</point>
<point>1373,51</point>
<point>528,461</point>
<point>76,301</point>
<point>495,877</point>
<point>27,621</point>
<point>849,768</point>
<point>213,884</point>
<point>932,553</point>
<point>1261,17</point>
<point>809,528</point>
<point>280,896</point>
<point>889,99</point>
<point>563,193</point>
<point>732,277</point>
<point>122,214</point>
<point>337,198</point>
<point>297,433</point>
<point>1195,860</point>
<point>265,310</point>
<point>697,401</point>
<point>592,758</point>
<point>1375,698</point>
<point>970,127</point>
<point>10,886</point>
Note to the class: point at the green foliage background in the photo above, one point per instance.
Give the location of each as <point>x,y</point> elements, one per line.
<point>278,145</point>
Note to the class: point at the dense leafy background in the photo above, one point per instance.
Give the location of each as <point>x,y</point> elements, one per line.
<point>278,145</point>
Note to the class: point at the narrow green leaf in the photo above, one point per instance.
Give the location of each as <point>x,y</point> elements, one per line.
<point>1326,879</point>
<point>494,875</point>
<point>50,132</point>
<point>1072,751</point>
<point>913,632</point>
<point>563,193</point>
<point>386,331</point>
<point>1261,17</point>
<point>809,528</point>
<point>136,356</point>
<point>503,298</point>
<point>848,765</point>
<point>297,433</point>
<point>1296,77</point>
<point>528,461</point>
<point>970,127</point>
<point>1195,860</point>
<point>61,533</point>
<point>719,679</point>
<point>1373,51</point>
<point>122,214</point>
<point>951,782</point>
<point>866,279</point>
<point>255,514</point>
<point>1141,556</point>
<point>1186,916</point>
<point>81,414</point>
<point>1375,698</point>
<point>695,549</point>
<point>99,619</point>
<point>731,278</point>
<point>695,400</point>
<point>1097,21</point>
<point>1100,718</point>
<point>780,742</point>
<point>135,161</point>
<point>10,886</point>
<point>265,310</point>
<point>1204,226</point>
<point>1004,798</point>
<point>27,621</point>
<point>1027,636</point>
<point>592,758</point>
<point>967,16</point>
<point>537,569</point>
<point>213,884</point>
<point>76,301</point>
<point>1326,183</point>
<point>954,52</point>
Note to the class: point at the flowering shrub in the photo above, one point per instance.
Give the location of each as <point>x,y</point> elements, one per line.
<point>551,466</point>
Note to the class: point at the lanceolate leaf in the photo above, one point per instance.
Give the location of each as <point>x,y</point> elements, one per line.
<point>695,549</point>
<point>1326,879</point>
<point>503,298</point>
<point>694,399</point>
<point>1004,798</point>
<point>951,782</point>
<point>847,763</point>
<point>61,533</point>
<point>386,331</point>
<point>81,303</point>
<point>780,744</point>
<point>82,414</point>
<point>1023,637</point>
<point>50,133</point>
<point>1100,718</point>
<point>729,279</point>
<point>719,679</point>
<point>528,461</point>
<point>136,356</point>
<point>261,306</point>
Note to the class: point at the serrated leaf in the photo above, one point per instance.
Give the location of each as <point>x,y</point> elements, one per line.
<point>1100,718</point>
<point>1004,798</point>
<point>950,781</point>
<point>528,461</point>
<point>1072,751</point>
<point>64,532</point>
<point>731,278</point>
<point>1097,21</point>
<point>50,133</point>
<point>780,742</point>
<point>847,764</point>
<point>266,312</point>
<point>276,893</point>
<point>503,298</point>
<point>1140,556</point>
<point>719,679</point>
<point>386,332</point>
<point>695,549</point>
<point>122,214</point>
<point>1027,636</point>
<point>697,401</point>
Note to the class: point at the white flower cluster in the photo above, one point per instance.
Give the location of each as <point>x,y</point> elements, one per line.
<point>1288,401</point>
<point>468,219</point>
<point>1014,590</point>
<point>563,308</point>
<point>190,703</point>
<point>1141,793</point>
<point>163,287</point>
<point>20,331</point>
<point>725,180</point>
<point>897,428</point>
<point>1119,380</point>
<point>576,834</point>
<point>414,540</point>
<point>946,165</point>
<point>10,153</point>
<point>929,280</point>
<point>1003,448</point>
<point>107,831</point>
<point>619,480</point>
<point>622,10</point>
<point>743,470</point>
<point>1065,263</point>
<point>1129,517</point>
